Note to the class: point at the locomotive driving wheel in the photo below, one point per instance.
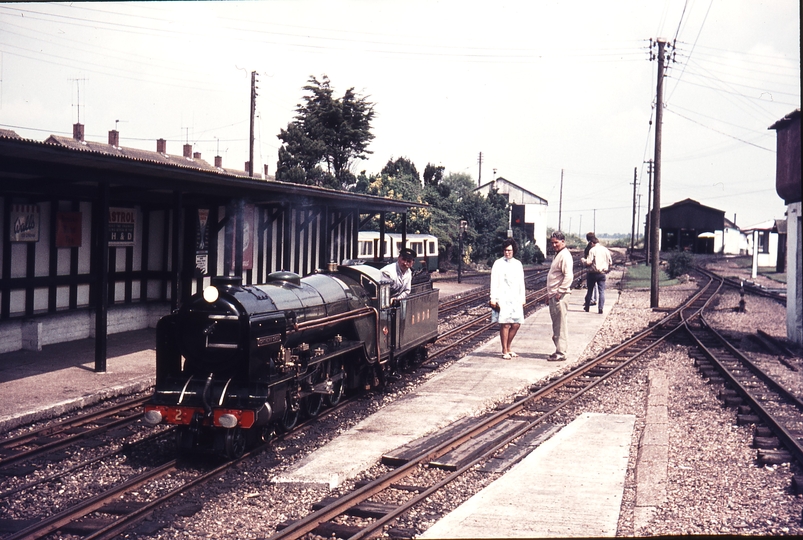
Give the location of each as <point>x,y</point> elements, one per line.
<point>312,403</point>
<point>338,387</point>
<point>290,418</point>
<point>234,443</point>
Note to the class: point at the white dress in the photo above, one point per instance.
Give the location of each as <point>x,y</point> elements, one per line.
<point>507,291</point>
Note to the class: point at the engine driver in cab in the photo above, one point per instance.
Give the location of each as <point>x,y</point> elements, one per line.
<point>400,274</point>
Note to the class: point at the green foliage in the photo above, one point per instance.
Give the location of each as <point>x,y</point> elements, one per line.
<point>433,175</point>
<point>401,168</point>
<point>679,263</point>
<point>325,137</point>
<point>529,252</point>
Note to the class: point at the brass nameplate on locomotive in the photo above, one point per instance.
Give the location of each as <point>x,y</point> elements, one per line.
<point>269,340</point>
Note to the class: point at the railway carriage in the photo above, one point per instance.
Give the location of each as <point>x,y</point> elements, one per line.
<point>237,362</point>
<point>424,245</point>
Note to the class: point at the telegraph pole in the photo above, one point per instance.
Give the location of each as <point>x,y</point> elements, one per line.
<point>560,201</point>
<point>638,215</point>
<point>479,176</point>
<point>633,223</point>
<point>647,226</point>
<point>655,222</point>
<point>251,133</point>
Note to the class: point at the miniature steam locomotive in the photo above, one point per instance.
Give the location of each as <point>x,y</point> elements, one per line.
<point>237,362</point>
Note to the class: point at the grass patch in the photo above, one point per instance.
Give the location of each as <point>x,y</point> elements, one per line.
<point>640,277</point>
<point>769,272</point>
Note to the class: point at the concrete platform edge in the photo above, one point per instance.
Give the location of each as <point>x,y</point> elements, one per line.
<point>56,409</point>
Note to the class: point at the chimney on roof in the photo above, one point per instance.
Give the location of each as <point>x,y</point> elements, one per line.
<point>247,166</point>
<point>218,162</point>
<point>78,132</point>
<point>187,150</point>
<point>196,155</point>
<point>161,146</point>
<point>114,138</point>
<point>266,171</point>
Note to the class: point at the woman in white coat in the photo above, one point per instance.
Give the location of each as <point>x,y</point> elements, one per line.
<point>508,296</point>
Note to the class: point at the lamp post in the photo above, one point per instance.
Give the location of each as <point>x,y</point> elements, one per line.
<point>463,227</point>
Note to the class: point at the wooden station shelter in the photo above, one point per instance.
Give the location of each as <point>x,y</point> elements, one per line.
<point>99,239</point>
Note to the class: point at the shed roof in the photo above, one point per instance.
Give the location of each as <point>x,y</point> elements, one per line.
<point>690,202</point>
<point>516,194</point>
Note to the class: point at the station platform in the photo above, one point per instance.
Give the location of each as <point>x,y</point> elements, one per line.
<point>571,485</point>
<point>36,385</point>
<point>472,385</point>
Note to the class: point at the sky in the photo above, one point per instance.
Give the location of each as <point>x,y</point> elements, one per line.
<point>556,96</point>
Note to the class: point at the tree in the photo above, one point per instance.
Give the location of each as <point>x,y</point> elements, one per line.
<point>433,175</point>
<point>401,168</point>
<point>325,137</point>
<point>487,223</point>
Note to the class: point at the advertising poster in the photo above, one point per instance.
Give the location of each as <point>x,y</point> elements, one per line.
<point>248,238</point>
<point>25,223</point>
<point>68,229</point>
<point>122,224</point>
<point>202,242</point>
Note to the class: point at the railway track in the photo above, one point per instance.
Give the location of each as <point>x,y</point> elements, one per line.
<point>65,433</point>
<point>776,412</point>
<point>110,512</point>
<point>486,437</point>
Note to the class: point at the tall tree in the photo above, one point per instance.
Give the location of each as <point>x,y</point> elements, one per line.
<point>402,167</point>
<point>433,174</point>
<point>326,136</point>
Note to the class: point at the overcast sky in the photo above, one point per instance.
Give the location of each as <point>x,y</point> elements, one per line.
<point>539,88</point>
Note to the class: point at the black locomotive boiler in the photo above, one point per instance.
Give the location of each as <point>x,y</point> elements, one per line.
<point>237,362</point>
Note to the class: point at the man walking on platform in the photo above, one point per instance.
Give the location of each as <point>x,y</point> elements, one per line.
<point>599,263</point>
<point>558,286</point>
<point>589,237</point>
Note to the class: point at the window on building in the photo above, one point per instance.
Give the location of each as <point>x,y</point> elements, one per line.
<point>763,241</point>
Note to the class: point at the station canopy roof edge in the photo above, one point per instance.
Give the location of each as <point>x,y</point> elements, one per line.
<point>35,169</point>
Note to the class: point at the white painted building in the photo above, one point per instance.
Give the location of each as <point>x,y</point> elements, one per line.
<point>534,207</point>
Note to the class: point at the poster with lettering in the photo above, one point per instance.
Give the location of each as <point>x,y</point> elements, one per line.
<point>248,238</point>
<point>24,223</point>
<point>122,224</point>
<point>68,229</point>
<point>202,242</point>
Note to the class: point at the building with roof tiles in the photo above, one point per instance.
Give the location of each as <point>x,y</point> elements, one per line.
<point>97,239</point>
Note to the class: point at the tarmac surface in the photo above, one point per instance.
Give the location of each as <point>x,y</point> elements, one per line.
<point>579,472</point>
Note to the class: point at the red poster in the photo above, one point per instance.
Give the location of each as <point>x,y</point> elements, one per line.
<point>68,229</point>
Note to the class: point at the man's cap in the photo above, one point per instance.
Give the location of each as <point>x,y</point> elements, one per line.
<point>407,253</point>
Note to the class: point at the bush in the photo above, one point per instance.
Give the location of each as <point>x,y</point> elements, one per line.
<point>679,263</point>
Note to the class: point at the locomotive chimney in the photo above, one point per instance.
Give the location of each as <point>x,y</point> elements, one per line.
<point>226,281</point>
